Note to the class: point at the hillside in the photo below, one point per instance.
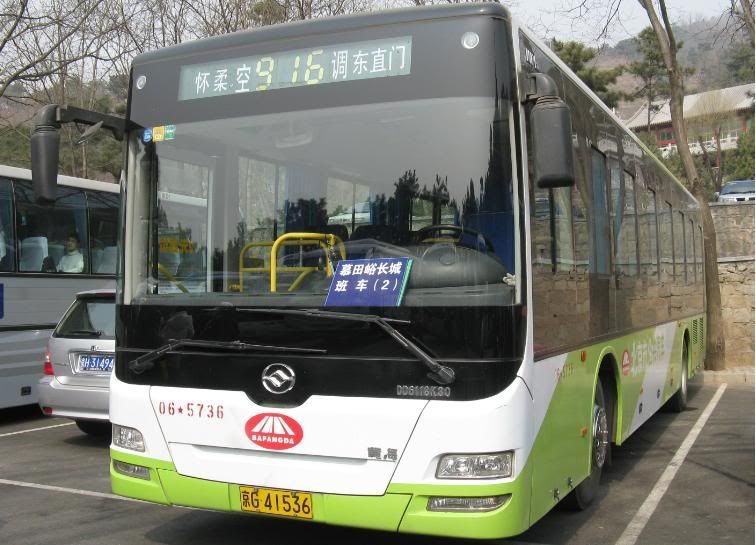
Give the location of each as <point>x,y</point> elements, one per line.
<point>707,49</point>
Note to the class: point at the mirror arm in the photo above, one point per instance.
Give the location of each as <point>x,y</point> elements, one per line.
<point>53,116</point>
<point>536,86</point>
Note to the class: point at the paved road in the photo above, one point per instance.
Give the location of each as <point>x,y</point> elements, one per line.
<point>54,490</point>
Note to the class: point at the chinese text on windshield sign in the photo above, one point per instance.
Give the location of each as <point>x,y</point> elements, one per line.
<point>296,68</point>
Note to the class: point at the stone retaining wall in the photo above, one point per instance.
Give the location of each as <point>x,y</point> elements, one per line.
<point>735,246</point>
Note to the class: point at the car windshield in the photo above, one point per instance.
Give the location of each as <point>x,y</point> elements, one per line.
<point>265,207</point>
<point>743,186</point>
<point>89,318</point>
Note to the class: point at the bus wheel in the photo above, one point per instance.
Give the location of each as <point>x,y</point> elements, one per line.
<point>679,401</point>
<point>586,491</point>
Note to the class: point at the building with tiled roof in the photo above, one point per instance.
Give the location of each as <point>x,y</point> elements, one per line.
<point>730,109</point>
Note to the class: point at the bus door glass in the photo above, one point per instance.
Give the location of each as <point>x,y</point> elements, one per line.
<point>182,227</point>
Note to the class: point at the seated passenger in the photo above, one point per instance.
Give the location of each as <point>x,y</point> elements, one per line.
<point>72,261</point>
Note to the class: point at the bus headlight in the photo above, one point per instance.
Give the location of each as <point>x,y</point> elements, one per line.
<point>475,466</point>
<point>128,438</point>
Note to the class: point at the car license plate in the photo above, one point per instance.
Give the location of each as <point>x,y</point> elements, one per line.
<point>285,503</point>
<point>94,363</point>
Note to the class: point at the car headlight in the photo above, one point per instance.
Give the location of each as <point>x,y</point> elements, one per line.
<point>475,466</point>
<point>128,438</point>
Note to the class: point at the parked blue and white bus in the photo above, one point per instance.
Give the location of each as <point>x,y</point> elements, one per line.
<point>47,255</point>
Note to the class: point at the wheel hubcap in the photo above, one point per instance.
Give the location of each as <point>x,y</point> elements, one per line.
<point>600,436</point>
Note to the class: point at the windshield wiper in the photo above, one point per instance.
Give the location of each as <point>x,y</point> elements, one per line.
<point>147,361</point>
<point>441,374</point>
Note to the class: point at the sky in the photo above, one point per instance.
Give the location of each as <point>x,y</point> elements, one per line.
<point>549,18</point>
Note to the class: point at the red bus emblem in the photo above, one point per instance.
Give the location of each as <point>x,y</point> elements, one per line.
<point>627,363</point>
<point>274,431</point>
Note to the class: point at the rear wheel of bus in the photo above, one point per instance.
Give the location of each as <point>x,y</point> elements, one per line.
<point>679,402</point>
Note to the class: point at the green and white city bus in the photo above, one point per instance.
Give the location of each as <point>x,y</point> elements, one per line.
<point>399,271</point>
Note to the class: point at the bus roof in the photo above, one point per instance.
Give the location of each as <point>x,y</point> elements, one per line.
<point>81,183</point>
<point>323,26</point>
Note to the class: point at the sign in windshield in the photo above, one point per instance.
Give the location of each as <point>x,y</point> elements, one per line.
<point>296,68</point>
<point>369,282</point>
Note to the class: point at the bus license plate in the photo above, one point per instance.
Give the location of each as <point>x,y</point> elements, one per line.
<point>285,503</point>
<point>98,364</point>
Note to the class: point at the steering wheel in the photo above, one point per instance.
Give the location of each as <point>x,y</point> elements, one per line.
<point>423,233</point>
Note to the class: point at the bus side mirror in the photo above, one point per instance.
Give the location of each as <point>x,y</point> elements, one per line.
<point>552,142</point>
<point>45,143</point>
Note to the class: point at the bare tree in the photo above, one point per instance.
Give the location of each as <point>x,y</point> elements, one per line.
<point>740,13</point>
<point>34,31</point>
<point>658,16</point>
<point>660,22</point>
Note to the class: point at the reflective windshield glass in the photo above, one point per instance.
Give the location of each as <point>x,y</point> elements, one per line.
<point>266,206</point>
<point>742,186</point>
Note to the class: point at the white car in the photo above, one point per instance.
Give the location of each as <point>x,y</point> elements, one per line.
<point>361,211</point>
<point>79,359</point>
<point>737,191</point>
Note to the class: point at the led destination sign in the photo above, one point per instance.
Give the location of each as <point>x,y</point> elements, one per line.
<point>296,68</point>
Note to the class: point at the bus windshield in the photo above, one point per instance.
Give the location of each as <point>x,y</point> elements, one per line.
<point>233,202</point>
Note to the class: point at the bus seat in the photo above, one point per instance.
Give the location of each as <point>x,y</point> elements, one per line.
<point>384,233</point>
<point>107,263</point>
<point>33,251</point>
<point>96,258</point>
<point>55,251</point>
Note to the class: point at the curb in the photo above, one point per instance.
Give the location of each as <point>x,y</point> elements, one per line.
<point>743,376</point>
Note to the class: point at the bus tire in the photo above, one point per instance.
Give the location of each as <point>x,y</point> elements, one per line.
<point>679,401</point>
<point>94,428</point>
<point>584,494</point>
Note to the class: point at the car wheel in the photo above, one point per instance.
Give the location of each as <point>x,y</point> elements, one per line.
<point>94,428</point>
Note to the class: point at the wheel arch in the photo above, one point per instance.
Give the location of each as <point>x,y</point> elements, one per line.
<point>608,372</point>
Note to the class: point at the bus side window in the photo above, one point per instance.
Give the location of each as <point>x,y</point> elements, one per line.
<point>700,255</point>
<point>7,242</point>
<point>648,232</point>
<point>52,238</point>
<point>666,265</point>
<point>623,219</point>
<point>690,253</point>
<point>600,261</point>
<point>103,230</point>
<point>679,235</point>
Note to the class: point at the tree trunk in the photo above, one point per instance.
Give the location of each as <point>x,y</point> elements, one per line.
<point>715,342</point>
<point>720,159</point>
<point>748,19</point>
<point>707,161</point>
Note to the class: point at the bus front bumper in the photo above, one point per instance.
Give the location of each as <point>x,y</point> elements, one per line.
<point>403,508</point>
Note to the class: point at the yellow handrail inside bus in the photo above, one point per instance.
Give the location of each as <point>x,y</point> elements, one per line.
<point>172,279</point>
<point>325,241</point>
